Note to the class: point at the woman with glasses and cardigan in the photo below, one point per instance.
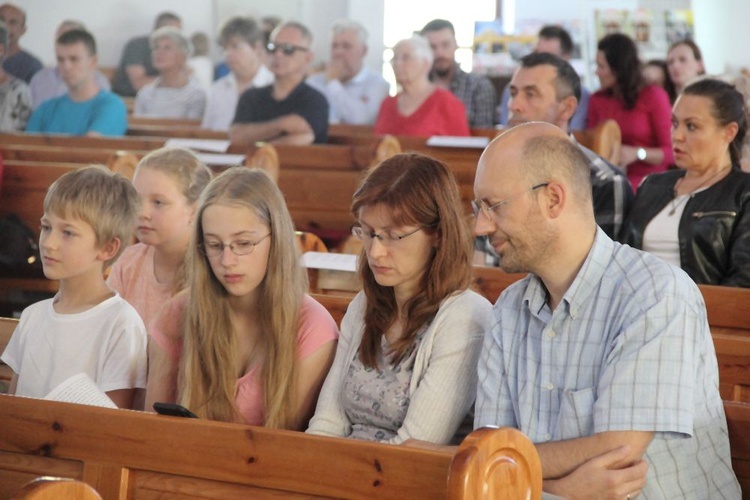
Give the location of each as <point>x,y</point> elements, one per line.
<point>405,366</point>
<point>244,343</point>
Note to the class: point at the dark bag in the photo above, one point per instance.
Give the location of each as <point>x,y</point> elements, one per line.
<point>19,252</point>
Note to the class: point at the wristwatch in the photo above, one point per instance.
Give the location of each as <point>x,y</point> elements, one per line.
<point>641,154</point>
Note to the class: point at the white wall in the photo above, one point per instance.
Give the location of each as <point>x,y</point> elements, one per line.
<point>720,24</point>
<point>113,22</point>
<point>722,34</point>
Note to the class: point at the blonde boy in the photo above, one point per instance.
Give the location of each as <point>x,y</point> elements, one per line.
<point>89,217</point>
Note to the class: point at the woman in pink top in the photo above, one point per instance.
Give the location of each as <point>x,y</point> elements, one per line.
<point>420,108</point>
<point>169,182</point>
<point>642,111</point>
<point>249,345</point>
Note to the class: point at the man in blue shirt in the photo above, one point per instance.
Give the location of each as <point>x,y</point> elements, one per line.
<point>602,355</point>
<point>86,109</point>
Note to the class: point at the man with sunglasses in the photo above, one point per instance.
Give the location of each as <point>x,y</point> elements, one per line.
<point>602,355</point>
<point>288,111</point>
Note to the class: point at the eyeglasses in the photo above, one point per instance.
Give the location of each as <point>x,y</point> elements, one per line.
<point>240,247</point>
<point>386,238</point>
<point>287,49</point>
<point>492,210</point>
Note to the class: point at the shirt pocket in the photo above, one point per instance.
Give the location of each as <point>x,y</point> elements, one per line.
<point>576,418</point>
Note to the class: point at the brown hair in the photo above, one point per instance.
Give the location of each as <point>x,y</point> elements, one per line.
<point>418,190</point>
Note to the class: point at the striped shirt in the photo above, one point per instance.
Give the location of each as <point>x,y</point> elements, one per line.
<point>186,102</point>
<point>627,349</point>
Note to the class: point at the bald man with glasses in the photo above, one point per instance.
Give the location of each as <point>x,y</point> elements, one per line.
<point>602,355</point>
<point>289,111</point>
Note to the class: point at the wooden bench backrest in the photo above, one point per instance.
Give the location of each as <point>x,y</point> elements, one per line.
<point>125,454</point>
<point>738,424</point>
<point>7,327</point>
<point>51,140</point>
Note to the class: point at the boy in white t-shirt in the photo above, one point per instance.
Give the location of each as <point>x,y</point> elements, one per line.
<point>89,217</point>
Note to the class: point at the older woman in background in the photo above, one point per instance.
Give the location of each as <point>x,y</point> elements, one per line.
<point>698,217</point>
<point>642,111</point>
<point>420,108</point>
<point>685,64</point>
<point>175,93</point>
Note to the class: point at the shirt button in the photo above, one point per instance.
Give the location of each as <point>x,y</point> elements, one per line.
<point>549,387</point>
<point>548,436</point>
<point>551,334</point>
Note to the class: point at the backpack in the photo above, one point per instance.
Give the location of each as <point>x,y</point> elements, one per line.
<point>19,252</point>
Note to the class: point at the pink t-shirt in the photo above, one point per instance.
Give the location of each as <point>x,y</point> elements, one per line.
<point>132,276</point>
<point>316,328</point>
<point>440,114</point>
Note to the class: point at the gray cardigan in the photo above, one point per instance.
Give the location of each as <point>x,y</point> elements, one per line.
<point>444,380</point>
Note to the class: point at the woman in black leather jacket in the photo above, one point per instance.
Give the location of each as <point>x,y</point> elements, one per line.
<point>698,217</point>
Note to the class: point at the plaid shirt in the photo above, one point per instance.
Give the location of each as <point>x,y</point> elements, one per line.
<point>478,95</point>
<point>627,349</point>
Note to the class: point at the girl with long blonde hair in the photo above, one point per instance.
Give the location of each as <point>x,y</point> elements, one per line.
<point>243,343</point>
<point>148,273</point>
<point>405,366</point>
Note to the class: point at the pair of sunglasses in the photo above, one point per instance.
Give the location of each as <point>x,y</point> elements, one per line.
<point>286,48</point>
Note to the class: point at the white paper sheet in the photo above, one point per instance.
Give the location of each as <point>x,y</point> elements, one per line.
<point>212,145</point>
<point>82,390</point>
<point>448,141</point>
<point>331,261</point>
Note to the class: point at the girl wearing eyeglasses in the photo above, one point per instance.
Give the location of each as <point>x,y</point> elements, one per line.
<point>405,366</point>
<point>244,343</point>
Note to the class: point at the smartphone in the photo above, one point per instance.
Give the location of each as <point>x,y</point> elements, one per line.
<point>173,410</point>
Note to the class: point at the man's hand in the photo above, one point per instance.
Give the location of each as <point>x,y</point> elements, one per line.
<point>335,70</point>
<point>602,477</point>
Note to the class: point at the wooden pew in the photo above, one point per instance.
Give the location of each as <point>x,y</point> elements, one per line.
<point>738,424</point>
<point>52,140</point>
<point>53,488</point>
<point>127,454</point>
<point>7,326</point>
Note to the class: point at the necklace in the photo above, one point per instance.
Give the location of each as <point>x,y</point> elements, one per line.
<point>676,204</point>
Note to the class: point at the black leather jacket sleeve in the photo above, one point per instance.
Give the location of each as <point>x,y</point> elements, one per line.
<point>714,231</point>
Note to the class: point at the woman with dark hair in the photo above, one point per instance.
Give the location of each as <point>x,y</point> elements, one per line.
<point>405,366</point>
<point>642,111</point>
<point>655,72</point>
<point>698,217</point>
<point>685,64</point>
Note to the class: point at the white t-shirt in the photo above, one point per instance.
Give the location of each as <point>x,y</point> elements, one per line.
<point>661,236</point>
<point>107,342</point>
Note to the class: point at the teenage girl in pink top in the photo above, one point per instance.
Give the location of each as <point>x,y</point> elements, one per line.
<point>169,182</point>
<point>244,343</point>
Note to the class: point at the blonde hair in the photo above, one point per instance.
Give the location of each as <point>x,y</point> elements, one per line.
<point>189,173</point>
<point>208,373</point>
<point>104,200</point>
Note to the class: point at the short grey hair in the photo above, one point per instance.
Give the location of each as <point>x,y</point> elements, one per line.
<point>420,46</point>
<point>350,25</point>
<point>175,34</point>
<point>304,30</point>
